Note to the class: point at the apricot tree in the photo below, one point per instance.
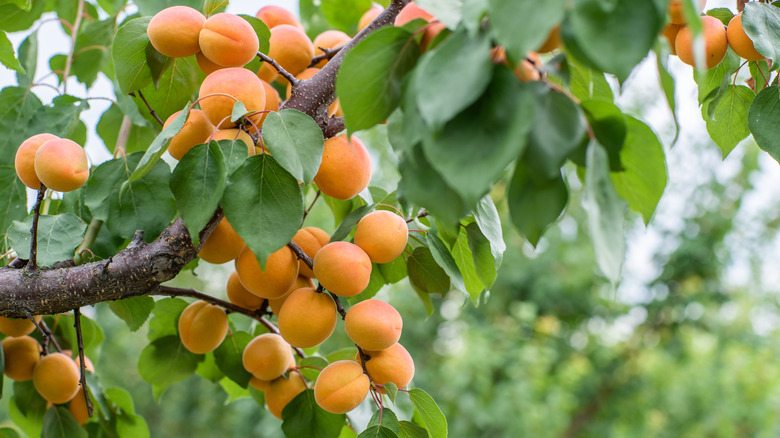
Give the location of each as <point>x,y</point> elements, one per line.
<point>488,106</point>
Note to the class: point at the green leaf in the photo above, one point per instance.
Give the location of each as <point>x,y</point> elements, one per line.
<point>444,259</point>
<point>157,63</point>
<point>303,417</point>
<point>210,6</point>
<point>729,124</point>
<point>261,29</point>
<point>120,398</point>
<point>425,274</point>
<point>586,83</point>
<point>349,222</point>
<point>129,55</point>
<point>165,361</point>
<point>132,426</point>
<point>712,83</point>
<point>58,236</point>
<point>229,357</point>
<point>378,432</point>
<point>411,430</point>
<point>484,263</point>
<point>452,77</point>
<point>7,432</point>
<point>538,21</point>
<point>110,124</point>
<point>157,148</point>
<point>430,412</point>
<point>764,120</point>
<point>310,364</point>
<point>609,126</point>
<point>7,55</point>
<point>134,311</point>
<point>489,223</point>
<point>723,14</point>
<point>13,200</point>
<point>393,271</point>
<point>197,183</point>
<point>344,14</point>
<point>28,57</point>
<point>14,19</point>
<point>312,17</point>
<point>389,420</point>
<point>534,203</point>
<point>92,49</point>
<point>668,86</point>
<point>21,4</point>
<point>759,71</point>
<point>369,80</point>
<point>467,260</point>
<point>2,369</point>
<point>151,7</point>
<point>17,109</point>
<point>59,423</point>
<point>209,370</point>
<point>165,320</point>
<point>295,141</point>
<point>27,408</point>
<point>446,11</point>
<point>261,191</point>
<point>391,390</point>
<point>178,85</point>
<point>92,333</point>
<point>761,23</point>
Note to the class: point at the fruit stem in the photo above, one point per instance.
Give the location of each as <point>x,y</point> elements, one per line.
<point>82,361</point>
<point>89,239</point>
<point>151,110</point>
<point>293,80</point>
<point>33,263</point>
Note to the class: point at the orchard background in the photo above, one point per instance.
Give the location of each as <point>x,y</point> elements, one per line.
<point>623,285</point>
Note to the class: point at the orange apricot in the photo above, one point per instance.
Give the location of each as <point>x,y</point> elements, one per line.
<point>21,355</point>
<point>273,16</point>
<point>291,48</point>
<point>259,384</point>
<point>342,268</point>
<point>222,245</point>
<point>281,270</point>
<point>282,391</point>
<point>382,235</point>
<point>78,407</point>
<point>300,282</point>
<point>228,40</point>
<point>237,82</point>
<point>62,165</point>
<point>202,327</point>
<point>310,239</point>
<point>24,162</point>
<point>238,295</point>
<point>552,42</point>
<point>235,134</point>
<point>17,327</point>
<point>393,364</point>
<point>430,33</point>
<point>330,39</point>
<point>675,12</point>
<point>369,16</point>
<point>341,387</point>
<point>56,378</point>
<point>174,31</point>
<point>267,356</point>
<point>345,169</point>
<point>307,318</point>
<point>196,130</point>
<point>528,69</point>
<point>715,42</point>
<point>670,32</point>
<point>740,42</point>
<point>373,325</point>
<point>206,65</point>
<point>411,12</point>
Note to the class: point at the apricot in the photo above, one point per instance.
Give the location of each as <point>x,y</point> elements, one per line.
<point>342,268</point>
<point>202,327</point>
<point>345,169</point>
<point>56,378</point>
<point>341,387</point>
<point>235,134</point>
<point>228,40</point>
<point>393,364</point>
<point>62,165</point>
<point>670,32</point>
<point>373,325</point>
<point>382,235</point>
<point>222,245</point>
<point>552,42</point>
<point>17,327</point>
<point>282,391</point>
<point>196,130</point>
<point>21,355</point>
<point>273,16</point>
<point>300,282</point>
<point>24,162</point>
<point>238,295</point>
<point>259,384</point>
<point>740,42</point>
<point>715,42</point>
<point>369,16</point>
<point>206,65</point>
<point>237,82</point>
<point>272,101</point>
<point>411,12</point>
<point>78,407</point>
<point>281,270</point>
<point>330,39</point>
<point>291,48</point>
<point>307,318</point>
<point>430,33</point>
<point>675,12</point>
<point>528,68</point>
<point>310,239</point>
<point>267,356</point>
<point>174,31</point>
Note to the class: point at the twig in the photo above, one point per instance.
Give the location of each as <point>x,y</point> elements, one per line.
<point>151,110</point>
<point>301,254</point>
<point>334,126</point>
<point>45,334</point>
<point>316,197</point>
<point>89,239</point>
<point>339,306</point>
<point>33,263</point>
<point>121,139</point>
<point>73,34</point>
<point>421,214</point>
<point>326,54</point>
<point>287,75</point>
<point>82,361</point>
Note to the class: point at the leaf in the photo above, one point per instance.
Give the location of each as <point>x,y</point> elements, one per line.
<point>444,259</point>
<point>17,108</point>
<point>344,14</point>
<point>389,420</point>
<point>310,364</point>
<point>761,23</point>
<point>586,83</point>
<point>151,7</point>
<point>197,183</point>
<point>239,110</point>
<point>138,139</point>
<point>92,49</point>
<point>430,412</point>
<point>7,55</point>
<point>157,63</point>
<point>134,311</point>
<point>21,4</point>
<point>393,271</point>
<point>411,430</point>
<point>261,191</point>
<point>2,370</point>
<point>489,223</point>
<point>485,264</point>
<point>609,127</point>
<point>261,30</point>
<point>210,6</point>
<point>228,357</point>
<point>129,55</point>
<point>157,148</point>
<point>446,11</point>
<point>14,19</point>
<point>7,432</point>
<point>369,81</point>
<point>295,141</point>
<point>668,86</point>
<point>538,21</point>
<point>764,120</point>
<point>166,314</point>
<point>452,77</point>
<point>303,417</point>
<point>132,426</point>
<point>28,57</point>
<point>165,361</point>
<point>712,83</point>
<point>467,264</point>
<point>535,203</point>
<point>425,274</point>
<point>378,432</point>
<point>13,199</point>
<point>349,222</point>
<point>234,154</point>
<point>59,423</point>
<point>391,390</point>
<point>178,86</point>
<point>91,333</point>
<point>729,123</point>
<point>58,236</point>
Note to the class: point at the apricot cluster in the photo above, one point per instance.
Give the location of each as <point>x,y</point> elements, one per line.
<point>58,163</point>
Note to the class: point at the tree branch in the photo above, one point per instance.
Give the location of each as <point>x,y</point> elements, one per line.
<point>82,361</point>
<point>284,73</point>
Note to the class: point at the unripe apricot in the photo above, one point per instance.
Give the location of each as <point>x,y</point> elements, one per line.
<point>206,65</point>
<point>300,282</point>
<point>235,134</point>
<point>330,39</point>
<point>291,48</point>
<point>715,42</point>
<point>411,12</point>
<point>202,327</point>
<point>342,268</point>
<point>393,364</point>
<point>552,42</point>
<point>174,31</point>
<point>310,239</point>
<point>228,40</point>
<point>345,169</point>
<point>273,16</point>
<point>369,16</point>
<point>267,356</point>
<point>222,245</point>
<point>740,42</point>
<point>24,162</point>
<point>62,165</point>
<point>282,391</point>
<point>56,378</point>
<point>196,130</point>
<point>78,407</point>
<point>21,355</point>
<point>17,327</point>
<point>233,81</point>
<point>341,387</point>
<point>281,270</point>
<point>238,295</point>
<point>373,325</point>
<point>307,318</point>
<point>670,33</point>
<point>382,235</point>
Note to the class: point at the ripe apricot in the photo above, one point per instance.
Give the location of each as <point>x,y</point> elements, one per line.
<point>238,295</point>
<point>342,268</point>
<point>196,130</point>
<point>228,40</point>
<point>282,391</point>
<point>345,169</point>
<point>17,327</point>
<point>24,162</point>
<point>430,33</point>
<point>528,69</point>
<point>291,48</point>
<point>382,235</point>
<point>267,356</point>
<point>715,42</point>
<point>307,318</point>
<point>281,270</point>
<point>310,239</point>
<point>56,378</point>
<point>393,364</point>
<point>740,42</point>
<point>174,31</point>
<point>223,245</point>
<point>552,42</point>
<point>670,33</point>
<point>78,407</point>
<point>330,39</point>
<point>373,325</point>
<point>300,282</point>
<point>341,387</point>
<point>273,16</point>
<point>62,165</point>
<point>21,356</point>
<point>411,12</point>
<point>202,327</point>
<point>369,16</point>
<point>206,65</point>
<point>259,384</point>
<point>237,82</point>
<point>235,134</point>
<point>675,12</point>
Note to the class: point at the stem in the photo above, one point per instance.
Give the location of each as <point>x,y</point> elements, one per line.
<point>316,197</point>
<point>421,214</point>
<point>124,135</point>
<point>151,110</point>
<point>33,263</point>
<point>284,73</point>
<point>301,254</point>
<point>339,306</point>
<point>326,54</point>
<point>82,361</point>
<point>89,239</point>
<point>73,34</point>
